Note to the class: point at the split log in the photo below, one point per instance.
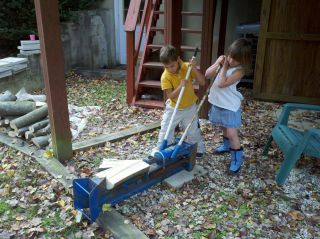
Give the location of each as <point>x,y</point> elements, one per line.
<point>16,108</point>
<point>2,122</point>
<point>29,118</point>
<point>7,96</point>
<point>116,175</point>
<point>41,141</point>
<point>38,125</point>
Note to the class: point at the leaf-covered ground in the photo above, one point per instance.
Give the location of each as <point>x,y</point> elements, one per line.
<point>248,205</point>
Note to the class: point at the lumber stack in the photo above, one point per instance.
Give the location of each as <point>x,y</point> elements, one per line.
<point>24,119</point>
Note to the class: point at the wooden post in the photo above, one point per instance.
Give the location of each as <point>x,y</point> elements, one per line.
<point>173,23</point>
<point>53,72</point>
<point>223,27</point>
<point>208,16</point>
<point>130,66</point>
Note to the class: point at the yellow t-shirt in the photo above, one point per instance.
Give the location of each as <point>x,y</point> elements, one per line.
<point>172,81</point>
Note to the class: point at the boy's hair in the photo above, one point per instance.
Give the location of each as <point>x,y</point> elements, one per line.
<point>168,54</point>
<point>240,50</point>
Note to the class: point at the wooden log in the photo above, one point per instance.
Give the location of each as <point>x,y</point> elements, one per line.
<point>29,118</point>
<point>8,119</point>
<point>2,122</point>
<point>41,132</point>
<point>38,125</point>
<point>16,108</point>
<point>7,96</point>
<point>12,133</point>
<point>41,141</point>
<point>21,131</point>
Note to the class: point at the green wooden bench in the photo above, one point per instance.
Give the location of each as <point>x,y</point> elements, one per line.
<point>292,142</point>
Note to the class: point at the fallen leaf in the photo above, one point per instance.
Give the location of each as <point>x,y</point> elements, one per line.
<point>296,215</point>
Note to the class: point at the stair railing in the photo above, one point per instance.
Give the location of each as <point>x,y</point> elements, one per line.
<point>133,44</point>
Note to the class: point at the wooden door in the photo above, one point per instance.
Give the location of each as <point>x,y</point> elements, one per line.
<point>288,56</point>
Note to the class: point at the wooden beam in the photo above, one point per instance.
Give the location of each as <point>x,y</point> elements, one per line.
<point>130,66</point>
<point>208,16</point>
<point>173,23</point>
<point>223,27</point>
<point>101,140</point>
<point>53,72</point>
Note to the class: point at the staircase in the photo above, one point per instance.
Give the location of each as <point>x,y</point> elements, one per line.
<point>143,86</point>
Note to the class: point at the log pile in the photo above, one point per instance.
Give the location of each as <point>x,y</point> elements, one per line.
<point>24,119</point>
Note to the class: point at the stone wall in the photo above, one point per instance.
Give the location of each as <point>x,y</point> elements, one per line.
<point>89,42</point>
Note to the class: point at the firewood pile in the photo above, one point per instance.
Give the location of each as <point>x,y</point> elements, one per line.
<point>24,119</point>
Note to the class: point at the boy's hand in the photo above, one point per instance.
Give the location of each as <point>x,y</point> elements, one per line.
<point>183,83</point>
<point>193,62</point>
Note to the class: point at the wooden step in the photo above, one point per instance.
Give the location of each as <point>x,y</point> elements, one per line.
<point>158,12</point>
<point>191,30</point>
<point>149,104</point>
<point>150,84</point>
<point>153,64</point>
<point>191,13</point>
<point>189,48</point>
<point>183,48</point>
<point>158,29</point>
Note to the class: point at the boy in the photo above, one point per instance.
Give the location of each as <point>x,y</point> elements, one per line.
<point>172,80</point>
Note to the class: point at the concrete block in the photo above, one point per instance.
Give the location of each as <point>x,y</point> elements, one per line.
<point>177,180</point>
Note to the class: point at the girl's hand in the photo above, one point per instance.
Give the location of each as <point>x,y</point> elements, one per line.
<point>220,60</point>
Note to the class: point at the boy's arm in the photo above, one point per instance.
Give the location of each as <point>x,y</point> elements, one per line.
<point>198,75</point>
<point>172,94</point>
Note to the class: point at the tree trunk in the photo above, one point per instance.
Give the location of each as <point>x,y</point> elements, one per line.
<point>41,141</point>
<point>12,108</point>
<point>7,96</point>
<point>29,118</point>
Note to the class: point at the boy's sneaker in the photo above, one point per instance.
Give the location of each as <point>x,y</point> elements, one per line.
<point>199,155</point>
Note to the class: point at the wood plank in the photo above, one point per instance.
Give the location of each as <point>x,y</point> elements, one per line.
<point>132,15</point>
<point>110,163</point>
<point>293,36</point>
<point>264,21</point>
<point>101,140</point>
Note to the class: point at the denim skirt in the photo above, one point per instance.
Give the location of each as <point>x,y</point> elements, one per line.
<point>225,118</point>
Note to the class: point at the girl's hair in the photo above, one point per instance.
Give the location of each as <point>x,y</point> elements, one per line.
<point>240,50</point>
<point>168,54</point>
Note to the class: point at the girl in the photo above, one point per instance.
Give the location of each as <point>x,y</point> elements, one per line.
<point>226,100</point>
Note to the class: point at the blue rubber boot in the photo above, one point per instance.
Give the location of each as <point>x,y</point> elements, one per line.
<point>223,148</point>
<point>236,160</point>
